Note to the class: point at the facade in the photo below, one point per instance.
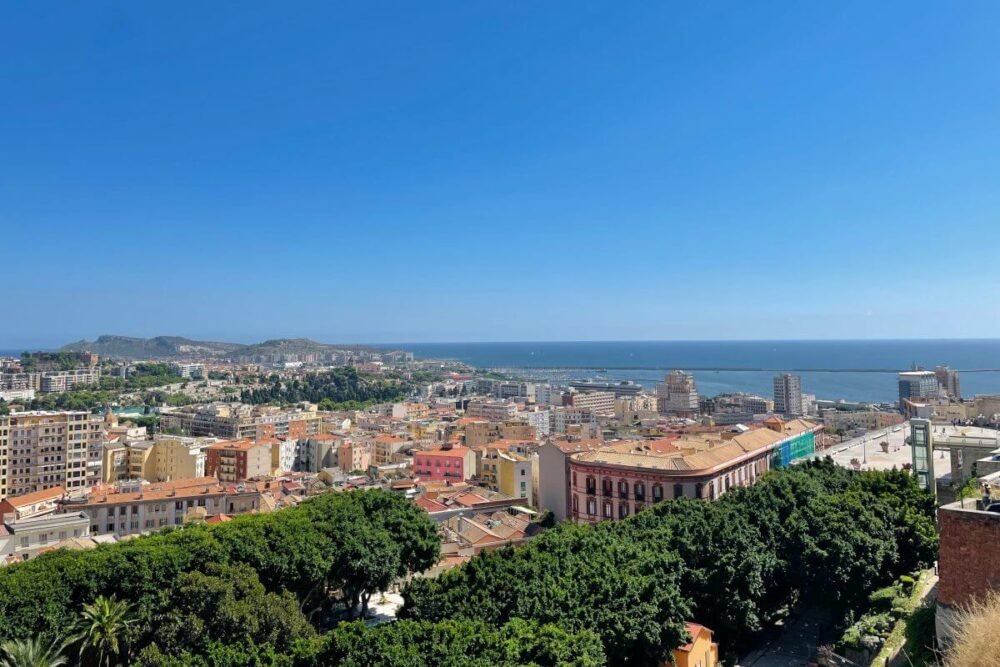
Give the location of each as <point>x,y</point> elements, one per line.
<point>553,473</point>
<point>515,475</point>
<point>26,538</point>
<point>49,449</point>
<point>239,422</point>
<point>598,401</point>
<point>917,384</point>
<point>619,389</point>
<point>788,395</point>
<point>579,422</point>
<point>179,457</point>
<point>497,411</point>
<point>237,460</point>
<point>156,506</point>
<point>455,464</point>
<point>701,651</point>
<point>141,461</point>
<point>317,452</point>
<point>189,371</point>
<point>621,479</point>
<point>678,395</point>
<point>353,456</point>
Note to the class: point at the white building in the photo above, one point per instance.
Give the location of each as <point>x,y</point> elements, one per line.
<point>25,538</point>
<point>788,395</point>
<point>192,371</point>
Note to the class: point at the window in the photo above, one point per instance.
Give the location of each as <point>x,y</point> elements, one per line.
<point>657,492</point>
<point>678,490</point>
<point>607,509</point>
<point>591,506</point>
<point>622,510</point>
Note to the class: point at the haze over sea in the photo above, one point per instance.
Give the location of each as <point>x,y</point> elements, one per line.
<point>857,370</point>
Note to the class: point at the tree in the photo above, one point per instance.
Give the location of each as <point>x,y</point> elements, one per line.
<point>105,623</point>
<point>32,653</point>
<point>369,562</point>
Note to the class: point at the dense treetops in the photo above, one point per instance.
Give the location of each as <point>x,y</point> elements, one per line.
<point>815,533</point>
<point>281,589</point>
<point>330,389</point>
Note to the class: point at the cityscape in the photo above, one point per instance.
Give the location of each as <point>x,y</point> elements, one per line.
<point>564,334</point>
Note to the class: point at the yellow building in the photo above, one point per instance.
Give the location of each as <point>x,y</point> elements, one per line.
<point>701,651</point>
<point>180,457</point>
<point>141,461</point>
<point>514,474</point>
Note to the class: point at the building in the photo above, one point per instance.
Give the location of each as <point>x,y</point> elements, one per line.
<point>788,395</point>
<point>24,539</point>
<point>317,452</point>
<point>579,422</point>
<point>38,503</point>
<point>948,380</point>
<point>238,460</point>
<point>701,651</point>
<point>141,461</point>
<point>410,410</point>
<point>448,463</point>
<point>237,421</point>
<point>496,411</point>
<point>150,507</point>
<point>50,382</point>
<point>621,479</point>
<point>619,389</point>
<point>917,384</point>
<point>353,456</point>
<point>540,420</point>
<point>598,401</point>
<point>515,476</point>
<point>49,449</point>
<point>553,473</point>
<point>678,395</point>
<point>386,449</point>
<point>189,370</point>
<point>179,457</point>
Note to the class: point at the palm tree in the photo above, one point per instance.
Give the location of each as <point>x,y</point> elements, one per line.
<point>31,653</point>
<point>102,626</point>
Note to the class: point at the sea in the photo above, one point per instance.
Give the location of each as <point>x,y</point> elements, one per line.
<point>850,370</point>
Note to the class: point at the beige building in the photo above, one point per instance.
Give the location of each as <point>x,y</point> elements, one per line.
<point>141,461</point>
<point>353,456</point>
<point>48,449</point>
<point>179,457</point>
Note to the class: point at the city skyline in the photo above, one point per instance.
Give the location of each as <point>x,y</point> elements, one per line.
<point>436,173</point>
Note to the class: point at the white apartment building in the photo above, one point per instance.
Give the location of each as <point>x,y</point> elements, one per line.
<point>190,370</point>
<point>494,411</point>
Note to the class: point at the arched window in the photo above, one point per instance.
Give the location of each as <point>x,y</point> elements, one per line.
<point>657,492</point>
<point>623,488</point>
<point>640,491</point>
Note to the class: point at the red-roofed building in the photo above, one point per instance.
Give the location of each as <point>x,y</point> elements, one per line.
<point>700,651</point>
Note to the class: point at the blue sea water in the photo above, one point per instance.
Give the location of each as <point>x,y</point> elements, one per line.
<point>860,370</point>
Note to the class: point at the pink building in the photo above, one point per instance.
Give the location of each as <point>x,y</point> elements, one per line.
<point>454,464</point>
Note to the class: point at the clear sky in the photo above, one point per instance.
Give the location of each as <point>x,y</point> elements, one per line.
<point>424,171</point>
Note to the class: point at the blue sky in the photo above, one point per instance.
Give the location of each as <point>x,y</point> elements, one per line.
<point>499,171</point>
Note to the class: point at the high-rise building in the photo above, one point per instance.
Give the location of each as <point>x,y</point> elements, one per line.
<point>917,384</point>
<point>678,395</point>
<point>788,394</point>
<point>49,449</point>
<point>948,379</point>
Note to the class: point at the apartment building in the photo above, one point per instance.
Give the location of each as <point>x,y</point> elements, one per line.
<point>353,456</point>
<point>386,449</point>
<point>146,508</point>
<point>49,449</point>
<point>788,395</point>
<point>238,421</point>
<point>497,411</point>
<point>574,421</point>
<point>317,452</point>
<point>678,395</point>
<point>24,539</point>
<point>448,463</point>
<point>180,457</point>
<point>238,460</point>
<point>189,370</point>
<point>598,401</point>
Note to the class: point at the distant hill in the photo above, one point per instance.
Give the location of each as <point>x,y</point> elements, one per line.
<point>173,347</point>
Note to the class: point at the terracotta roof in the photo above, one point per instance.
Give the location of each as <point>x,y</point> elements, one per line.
<point>694,629</point>
<point>454,451</point>
<point>17,502</point>
<point>429,505</point>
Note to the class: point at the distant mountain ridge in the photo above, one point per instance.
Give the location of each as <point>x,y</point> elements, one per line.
<point>173,347</point>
